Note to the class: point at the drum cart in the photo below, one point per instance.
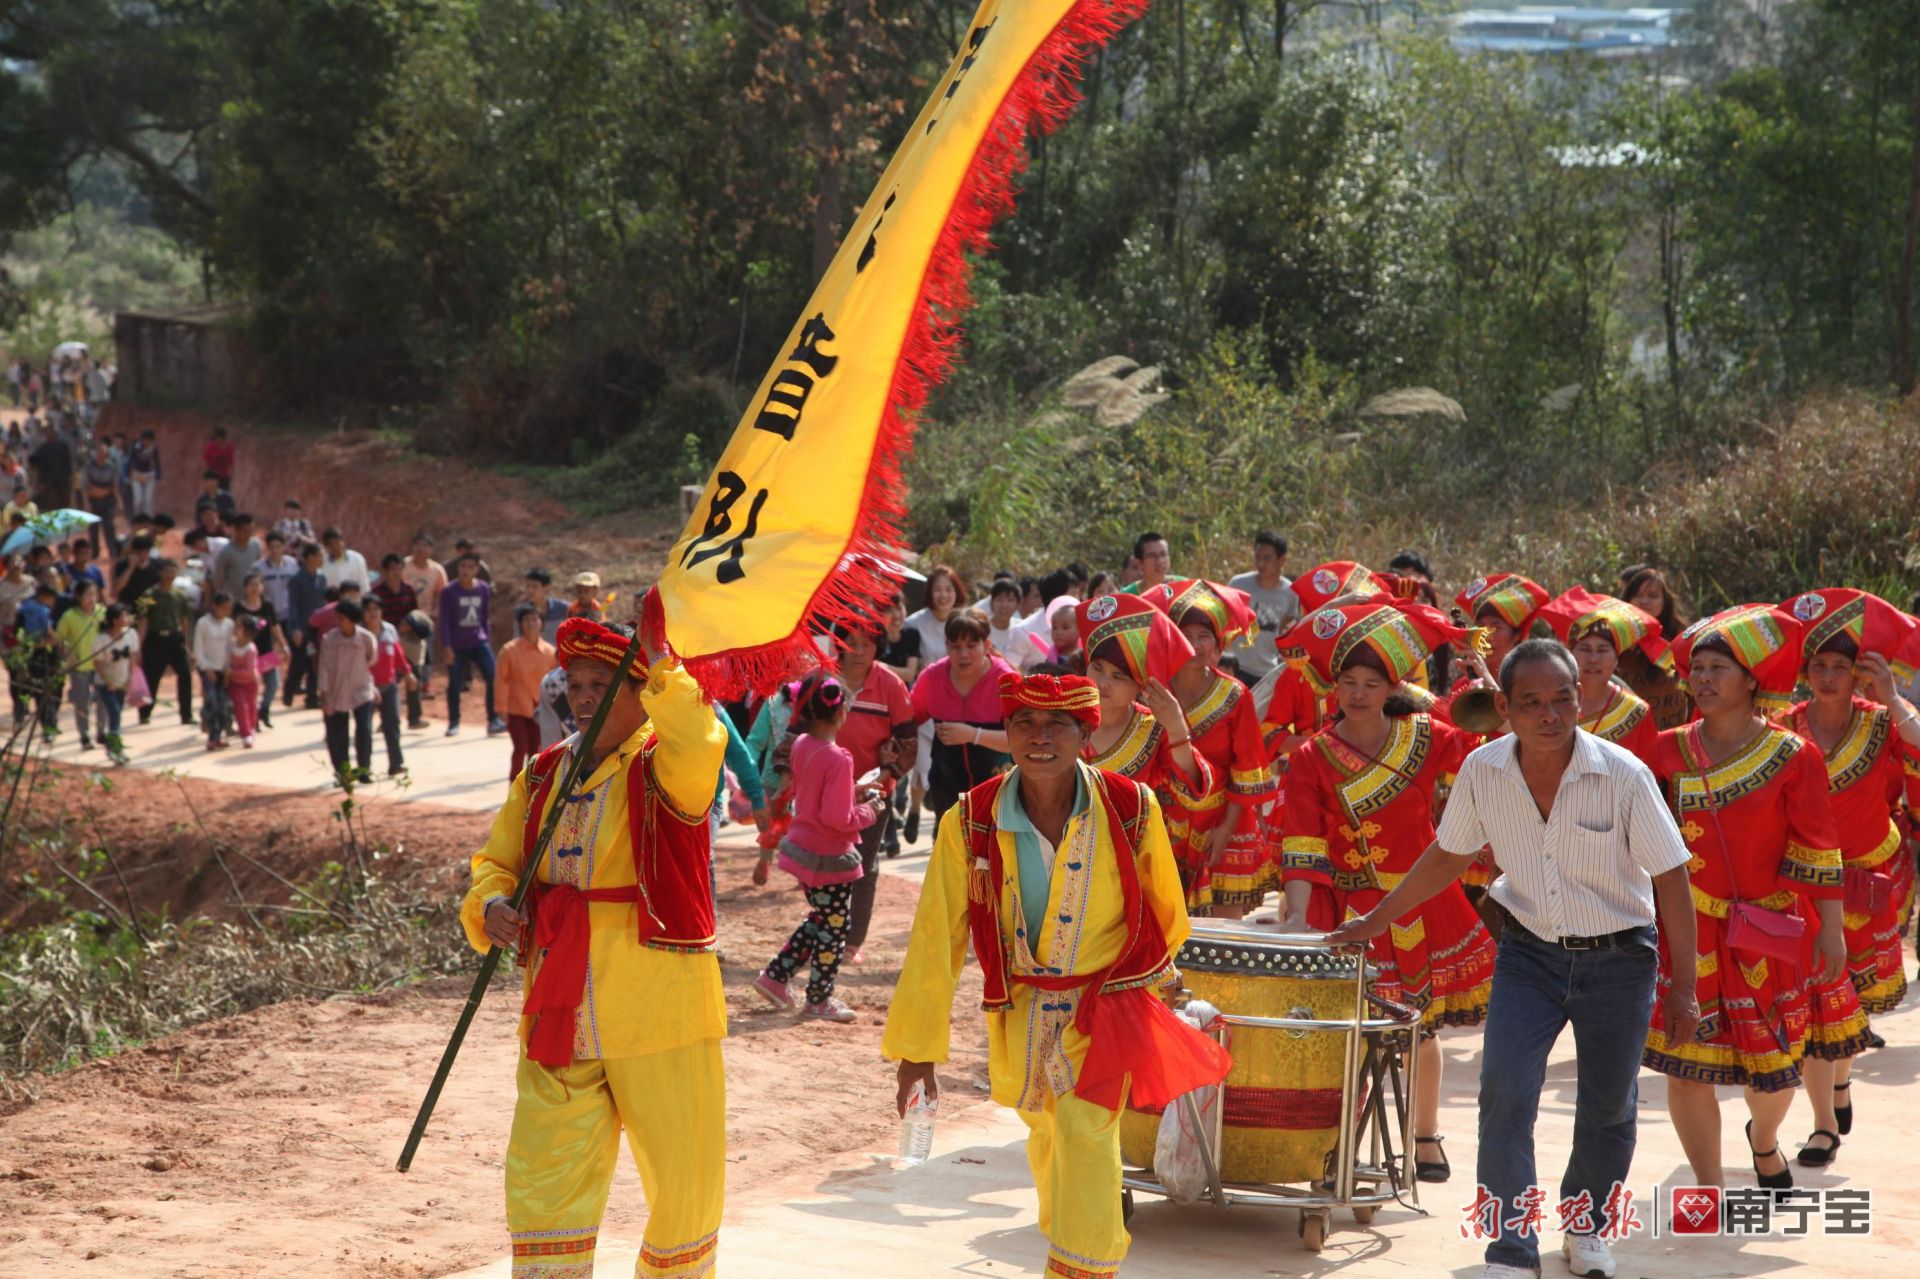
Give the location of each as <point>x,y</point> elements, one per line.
<point>1379,1064</point>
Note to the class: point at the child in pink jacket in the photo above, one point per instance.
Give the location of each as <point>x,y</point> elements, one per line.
<point>821,848</point>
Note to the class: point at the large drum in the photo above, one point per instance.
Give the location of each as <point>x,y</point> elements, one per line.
<point>1281,1112</point>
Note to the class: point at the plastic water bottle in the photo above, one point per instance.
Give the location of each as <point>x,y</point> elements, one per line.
<point>916,1128</point>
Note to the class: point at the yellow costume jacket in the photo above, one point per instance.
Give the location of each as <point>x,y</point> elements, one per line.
<point>639,998</point>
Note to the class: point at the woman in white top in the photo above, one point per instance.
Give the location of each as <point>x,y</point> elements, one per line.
<point>946,594</point>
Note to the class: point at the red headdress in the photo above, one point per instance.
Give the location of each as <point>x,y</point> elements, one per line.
<point>1763,638</point>
<point>1579,613</point>
<point>1227,609</point>
<point>1317,586</point>
<point>1147,641</point>
<point>1873,625</point>
<point>582,637</point>
<point>1400,635</point>
<point>1077,695</point>
<point>1513,597</point>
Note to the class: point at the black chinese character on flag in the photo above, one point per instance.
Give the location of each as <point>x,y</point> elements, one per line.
<point>792,386</point>
<point>729,489</point>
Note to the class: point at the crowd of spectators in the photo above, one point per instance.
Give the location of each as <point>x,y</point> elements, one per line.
<point>249,614</point>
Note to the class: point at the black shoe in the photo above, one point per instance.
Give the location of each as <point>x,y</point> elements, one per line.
<point>1812,1156</point>
<point>1782,1180</point>
<point>890,847</point>
<point>1431,1169</point>
<point>266,722</point>
<point>1843,1115</point>
<point>1875,1039</point>
<point>146,716</point>
<point>911,831</point>
<point>363,775</point>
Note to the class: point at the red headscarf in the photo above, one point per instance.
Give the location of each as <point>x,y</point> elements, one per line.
<point>1227,609</point>
<point>1579,613</point>
<point>1148,643</point>
<point>1513,597</point>
<point>1330,581</point>
<point>1077,695</point>
<point>1873,625</point>
<point>582,637</point>
<point>1765,642</point>
<point>1400,633</point>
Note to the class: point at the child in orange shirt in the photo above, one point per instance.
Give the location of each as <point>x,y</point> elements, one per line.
<point>524,662</point>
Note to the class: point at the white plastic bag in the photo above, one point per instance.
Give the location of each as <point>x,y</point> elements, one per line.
<point>1179,1161</point>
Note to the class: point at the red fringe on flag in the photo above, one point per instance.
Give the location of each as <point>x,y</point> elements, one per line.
<point>1039,100</point>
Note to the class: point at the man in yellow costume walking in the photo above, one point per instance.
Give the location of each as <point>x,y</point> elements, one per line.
<point>1062,877</point>
<point>624,1013</point>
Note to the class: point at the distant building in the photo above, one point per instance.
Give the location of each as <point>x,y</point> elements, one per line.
<point>1546,29</point>
<point>191,357</point>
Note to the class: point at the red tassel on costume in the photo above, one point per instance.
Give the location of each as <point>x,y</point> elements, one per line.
<point>980,883</point>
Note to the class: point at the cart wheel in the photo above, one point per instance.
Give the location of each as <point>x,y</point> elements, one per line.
<point>1313,1230</point>
<point>1126,1206</point>
<point>1363,1213</point>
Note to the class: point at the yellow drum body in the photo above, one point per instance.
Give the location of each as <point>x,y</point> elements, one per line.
<point>1281,1113</point>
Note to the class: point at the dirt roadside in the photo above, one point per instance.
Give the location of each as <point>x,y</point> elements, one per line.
<point>263,1145</point>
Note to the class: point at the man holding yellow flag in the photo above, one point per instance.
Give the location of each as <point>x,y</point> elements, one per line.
<point>624,1013</point>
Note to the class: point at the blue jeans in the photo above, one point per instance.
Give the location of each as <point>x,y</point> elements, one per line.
<point>1539,987</point>
<point>215,710</point>
<point>479,657</point>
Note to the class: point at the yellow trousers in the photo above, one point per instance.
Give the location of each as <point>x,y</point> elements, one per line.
<point>1074,1149</point>
<point>566,1140</point>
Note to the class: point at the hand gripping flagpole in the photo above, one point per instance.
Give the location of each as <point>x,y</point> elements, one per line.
<point>485,976</point>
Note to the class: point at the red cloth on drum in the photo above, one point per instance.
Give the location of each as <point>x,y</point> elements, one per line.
<point>1353,825</point>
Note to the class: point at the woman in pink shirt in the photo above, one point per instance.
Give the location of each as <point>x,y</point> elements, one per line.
<point>821,848</point>
<point>960,694</point>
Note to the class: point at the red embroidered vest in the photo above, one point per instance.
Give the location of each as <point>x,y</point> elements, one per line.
<point>1136,1046</point>
<point>671,856</point>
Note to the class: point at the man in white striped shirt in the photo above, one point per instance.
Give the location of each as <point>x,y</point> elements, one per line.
<point>1588,853</point>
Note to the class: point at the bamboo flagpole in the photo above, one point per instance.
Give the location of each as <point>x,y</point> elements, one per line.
<point>487,966</point>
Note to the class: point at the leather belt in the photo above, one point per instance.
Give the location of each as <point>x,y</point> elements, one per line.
<point>1600,941</point>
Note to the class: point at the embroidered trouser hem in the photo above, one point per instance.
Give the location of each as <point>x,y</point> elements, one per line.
<point>566,1140</point>
<point>1073,1147</point>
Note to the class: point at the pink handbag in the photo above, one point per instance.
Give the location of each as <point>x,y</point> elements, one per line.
<point>1865,892</point>
<point>1760,931</point>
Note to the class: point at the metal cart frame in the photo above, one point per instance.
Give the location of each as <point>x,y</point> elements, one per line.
<point>1372,1057</point>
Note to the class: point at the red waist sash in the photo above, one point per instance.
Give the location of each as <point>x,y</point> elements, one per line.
<point>561,930</point>
<point>1132,1033</point>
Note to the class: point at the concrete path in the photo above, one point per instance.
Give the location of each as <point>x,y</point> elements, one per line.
<point>465,771</point>
<point>971,1210</point>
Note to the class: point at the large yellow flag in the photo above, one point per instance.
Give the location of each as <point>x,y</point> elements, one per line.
<point>807,493</point>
